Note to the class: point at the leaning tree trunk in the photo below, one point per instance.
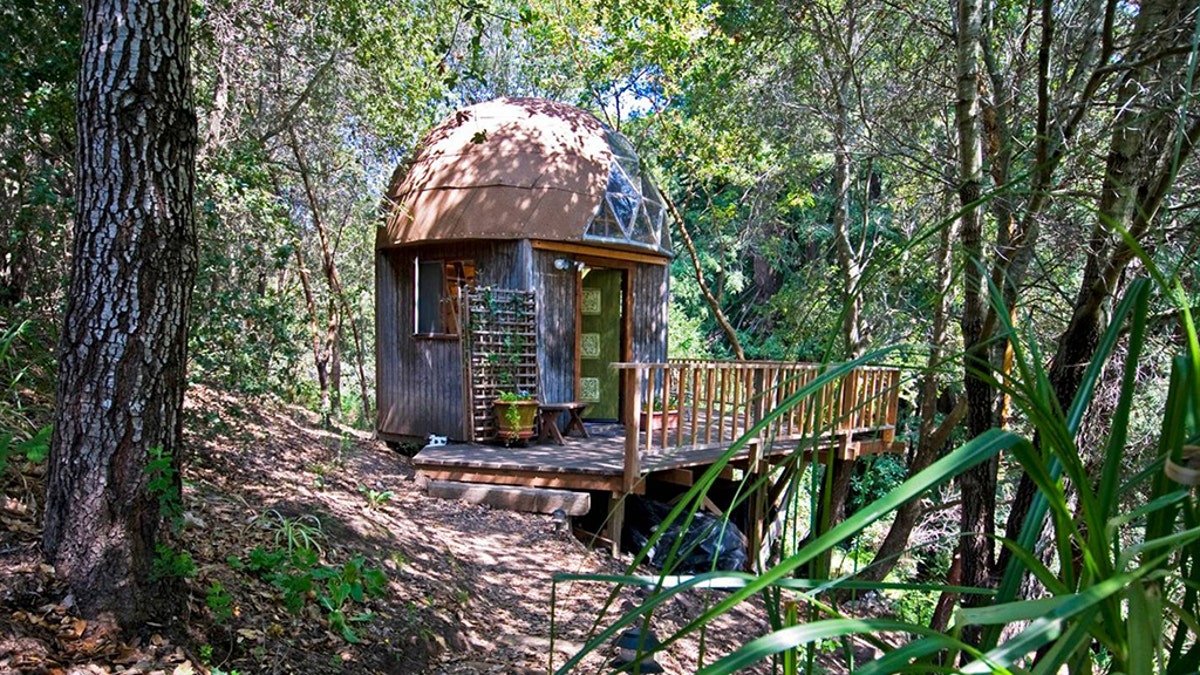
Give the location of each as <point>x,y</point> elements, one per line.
<point>122,351</point>
<point>933,436</point>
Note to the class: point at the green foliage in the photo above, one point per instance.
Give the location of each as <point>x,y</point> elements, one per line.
<point>172,564</point>
<point>299,576</point>
<point>220,603</point>
<point>915,606</point>
<point>353,582</point>
<point>302,532</point>
<point>873,478</point>
<point>34,449</point>
<point>247,332</point>
<point>1124,564</point>
<point>163,484</point>
<point>39,57</point>
<point>294,567</point>
<point>376,499</point>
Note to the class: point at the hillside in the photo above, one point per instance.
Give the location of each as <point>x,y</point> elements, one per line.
<point>467,587</point>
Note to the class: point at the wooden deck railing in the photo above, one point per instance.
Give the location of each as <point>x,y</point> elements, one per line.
<point>688,403</point>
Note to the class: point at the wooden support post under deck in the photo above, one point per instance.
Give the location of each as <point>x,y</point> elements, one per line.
<point>632,473</point>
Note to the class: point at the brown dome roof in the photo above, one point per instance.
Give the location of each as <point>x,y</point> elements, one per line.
<point>508,168</point>
<point>525,168</point>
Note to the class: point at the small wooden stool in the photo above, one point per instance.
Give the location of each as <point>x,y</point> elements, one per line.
<point>550,413</point>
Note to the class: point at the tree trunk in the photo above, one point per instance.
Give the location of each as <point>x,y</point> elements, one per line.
<point>849,262</point>
<point>932,436</point>
<point>713,302</point>
<point>335,366</point>
<point>320,353</point>
<point>333,280</point>
<point>122,352</point>
<point>977,485</point>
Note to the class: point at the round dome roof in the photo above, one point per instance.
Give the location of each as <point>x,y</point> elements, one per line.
<point>525,169</point>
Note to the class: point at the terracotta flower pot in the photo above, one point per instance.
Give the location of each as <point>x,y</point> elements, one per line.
<point>656,419</point>
<point>510,426</point>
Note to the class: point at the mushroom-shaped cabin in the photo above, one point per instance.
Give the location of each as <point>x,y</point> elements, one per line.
<point>526,250</point>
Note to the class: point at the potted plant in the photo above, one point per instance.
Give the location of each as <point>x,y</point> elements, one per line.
<point>660,415</point>
<point>516,412</point>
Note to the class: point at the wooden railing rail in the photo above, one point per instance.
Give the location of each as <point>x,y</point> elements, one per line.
<point>686,403</point>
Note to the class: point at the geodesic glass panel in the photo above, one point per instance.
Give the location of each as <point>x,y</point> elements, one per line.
<point>604,224</point>
<point>624,199</point>
<point>632,210</point>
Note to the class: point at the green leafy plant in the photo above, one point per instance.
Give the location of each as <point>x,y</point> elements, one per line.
<point>219,602</point>
<point>164,485</point>
<point>33,449</point>
<point>512,396</point>
<point>301,532</point>
<point>512,413</point>
<point>300,576</point>
<point>172,564</point>
<point>354,581</point>
<point>376,499</point>
<point>672,404</point>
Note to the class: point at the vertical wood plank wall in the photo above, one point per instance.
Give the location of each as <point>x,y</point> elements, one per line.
<point>650,302</point>
<point>386,342</point>
<point>556,327</point>
<point>419,390</point>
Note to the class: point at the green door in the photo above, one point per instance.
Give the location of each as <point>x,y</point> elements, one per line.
<point>600,343</point>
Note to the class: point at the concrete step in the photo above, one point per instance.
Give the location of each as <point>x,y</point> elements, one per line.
<point>529,499</point>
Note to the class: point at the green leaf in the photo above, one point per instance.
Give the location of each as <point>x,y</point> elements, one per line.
<point>789,638</point>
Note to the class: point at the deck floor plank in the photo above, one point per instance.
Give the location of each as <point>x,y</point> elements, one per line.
<point>600,456</point>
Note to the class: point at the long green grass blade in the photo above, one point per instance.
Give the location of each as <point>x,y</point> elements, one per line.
<point>1114,452</point>
<point>1009,612</point>
<point>971,454</point>
<point>1044,629</point>
<point>903,657</point>
<point>1074,641</point>
<point>789,638</point>
<point>978,450</point>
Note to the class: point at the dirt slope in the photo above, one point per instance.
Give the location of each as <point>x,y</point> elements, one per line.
<point>468,588</point>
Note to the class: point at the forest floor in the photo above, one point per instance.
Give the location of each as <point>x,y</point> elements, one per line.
<point>465,589</point>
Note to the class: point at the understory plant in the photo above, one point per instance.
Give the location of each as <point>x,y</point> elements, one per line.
<point>295,568</point>
<point>1115,553</point>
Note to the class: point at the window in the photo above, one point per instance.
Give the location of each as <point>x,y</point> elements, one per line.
<point>439,286</point>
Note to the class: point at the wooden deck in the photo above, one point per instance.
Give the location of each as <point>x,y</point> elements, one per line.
<point>598,462</point>
<point>832,413</point>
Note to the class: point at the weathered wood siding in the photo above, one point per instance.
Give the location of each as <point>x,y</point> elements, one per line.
<point>420,383</point>
<point>420,387</point>
<point>556,326</point>
<point>651,299</point>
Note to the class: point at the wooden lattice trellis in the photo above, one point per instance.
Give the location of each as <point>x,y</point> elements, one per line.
<point>501,351</point>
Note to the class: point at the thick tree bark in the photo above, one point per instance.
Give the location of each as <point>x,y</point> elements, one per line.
<point>122,352</point>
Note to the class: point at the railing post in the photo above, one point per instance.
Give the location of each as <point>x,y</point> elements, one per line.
<point>893,407</point>
<point>631,473</point>
<point>849,403</point>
